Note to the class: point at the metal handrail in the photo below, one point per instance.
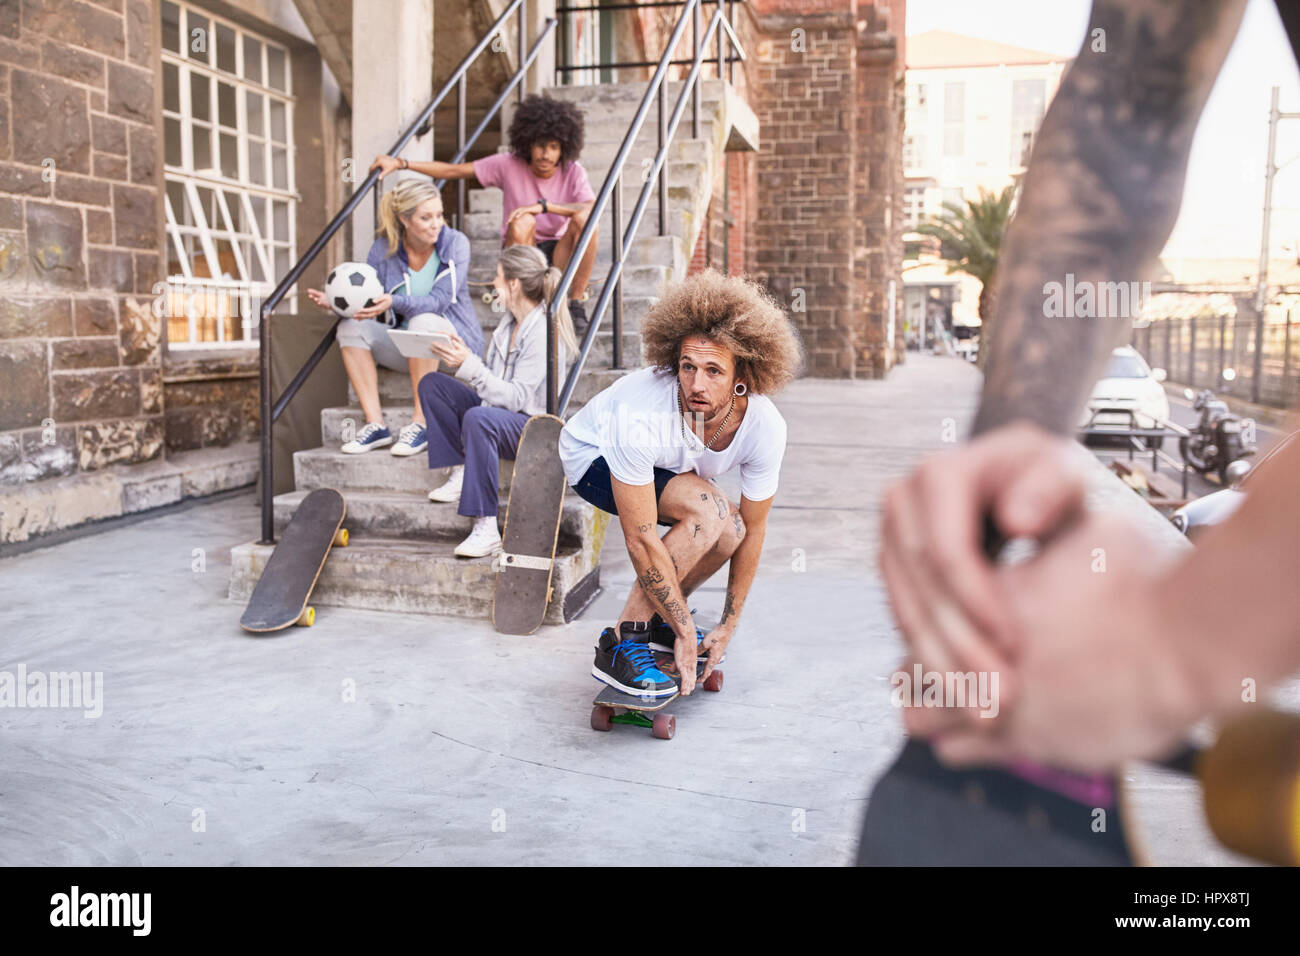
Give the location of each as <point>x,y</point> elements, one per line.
<point>270,410</point>
<point>612,286</point>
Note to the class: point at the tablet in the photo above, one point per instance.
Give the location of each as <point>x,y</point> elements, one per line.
<point>416,344</point>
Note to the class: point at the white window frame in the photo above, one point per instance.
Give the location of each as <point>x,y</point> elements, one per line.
<point>205,298</point>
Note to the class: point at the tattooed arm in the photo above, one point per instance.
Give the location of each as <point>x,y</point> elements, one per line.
<point>656,572</point>
<point>752,527</point>
<point>1099,199</point>
<point>1100,196</point>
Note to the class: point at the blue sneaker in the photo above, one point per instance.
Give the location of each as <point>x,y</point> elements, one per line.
<point>374,435</point>
<point>662,637</point>
<point>625,663</point>
<point>411,440</point>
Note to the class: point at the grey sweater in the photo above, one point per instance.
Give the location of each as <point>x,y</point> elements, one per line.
<point>514,381</point>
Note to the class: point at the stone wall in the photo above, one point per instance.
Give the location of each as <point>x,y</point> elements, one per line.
<point>826,228</point>
<point>89,391</point>
<point>80,222</point>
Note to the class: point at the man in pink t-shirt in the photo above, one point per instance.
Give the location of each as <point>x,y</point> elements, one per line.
<point>546,195</point>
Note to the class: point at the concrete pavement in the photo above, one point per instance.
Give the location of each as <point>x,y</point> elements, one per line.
<point>378,738</point>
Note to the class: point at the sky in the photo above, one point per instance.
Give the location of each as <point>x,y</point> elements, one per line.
<point>1223,198</point>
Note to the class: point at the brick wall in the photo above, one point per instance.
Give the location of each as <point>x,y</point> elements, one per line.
<point>722,242</point>
<point>826,227</point>
<point>80,224</point>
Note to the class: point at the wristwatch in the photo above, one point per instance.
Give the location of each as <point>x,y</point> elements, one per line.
<point>542,201</point>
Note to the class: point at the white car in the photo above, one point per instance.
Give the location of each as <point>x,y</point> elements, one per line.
<point>1128,394</point>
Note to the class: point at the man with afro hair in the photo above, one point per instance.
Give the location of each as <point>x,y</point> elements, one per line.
<point>546,194</point>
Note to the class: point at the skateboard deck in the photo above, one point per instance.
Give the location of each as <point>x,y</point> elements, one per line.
<point>612,706</point>
<point>527,561</point>
<point>280,598</point>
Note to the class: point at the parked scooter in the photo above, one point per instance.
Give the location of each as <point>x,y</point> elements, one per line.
<point>1219,438</point>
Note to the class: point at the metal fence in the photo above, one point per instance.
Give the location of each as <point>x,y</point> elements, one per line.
<point>1195,351</point>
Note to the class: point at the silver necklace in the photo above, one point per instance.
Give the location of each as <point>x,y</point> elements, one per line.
<point>680,411</point>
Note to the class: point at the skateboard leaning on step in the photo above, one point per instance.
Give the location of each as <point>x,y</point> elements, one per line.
<point>280,598</point>
<point>527,561</point>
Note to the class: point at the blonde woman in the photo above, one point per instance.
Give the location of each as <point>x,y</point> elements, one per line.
<point>424,266</point>
<point>476,418</point>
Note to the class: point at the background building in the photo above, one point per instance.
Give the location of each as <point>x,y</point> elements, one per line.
<point>973,108</point>
<point>163,163</point>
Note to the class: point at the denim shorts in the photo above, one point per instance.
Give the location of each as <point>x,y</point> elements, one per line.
<point>595,488</point>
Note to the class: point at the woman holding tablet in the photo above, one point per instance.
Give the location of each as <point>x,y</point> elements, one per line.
<point>424,266</point>
<point>476,418</point>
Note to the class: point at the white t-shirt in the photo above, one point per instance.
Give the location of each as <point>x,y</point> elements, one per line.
<point>636,426</point>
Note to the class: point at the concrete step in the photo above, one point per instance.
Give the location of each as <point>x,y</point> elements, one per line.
<point>327,467</point>
<point>425,577</point>
<point>411,515</point>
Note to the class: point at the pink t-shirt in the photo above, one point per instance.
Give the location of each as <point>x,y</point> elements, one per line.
<point>520,187</point>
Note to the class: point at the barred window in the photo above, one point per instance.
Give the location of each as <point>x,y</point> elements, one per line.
<point>230,202</point>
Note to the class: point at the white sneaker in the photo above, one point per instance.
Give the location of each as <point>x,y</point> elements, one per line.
<point>482,541</point>
<point>374,435</point>
<point>449,491</point>
<point>411,440</point>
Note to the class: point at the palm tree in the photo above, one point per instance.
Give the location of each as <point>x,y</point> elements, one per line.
<point>970,238</point>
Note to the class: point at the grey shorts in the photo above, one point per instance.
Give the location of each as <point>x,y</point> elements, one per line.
<point>373,336</point>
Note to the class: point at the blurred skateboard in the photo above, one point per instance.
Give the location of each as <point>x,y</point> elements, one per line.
<point>280,598</point>
<point>922,813</point>
<point>613,706</point>
<point>527,560</point>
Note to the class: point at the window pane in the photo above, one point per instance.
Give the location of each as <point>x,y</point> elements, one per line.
<point>202,147</point>
<point>253,107</point>
<point>276,68</point>
<point>279,167</point>
<point>259,204</point>
<point>282,263</point>
<point>208,203</point>
<point>226,259</point>
<point>229,156</point>
<point>281,211</point>
<point>176,194</point>
<point>199,33</point>
<point>225,48</point>
<point>172,141</point>
<point>171,27</point>
<point>255,272</point>
<point>279,130</point>
<point>256,163</point>
<point>200,97</point>
<point>252,59</point>
<point>171,87</point>
<point>226,105</point>
<point>236,211</point>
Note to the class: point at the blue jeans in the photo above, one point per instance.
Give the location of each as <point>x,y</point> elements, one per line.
<point>461,430</point>
<point>594,487</point>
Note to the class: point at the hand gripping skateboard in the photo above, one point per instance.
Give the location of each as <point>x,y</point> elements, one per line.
<point>280,598</point>
<point>612,706</point>
<point>527,560</point>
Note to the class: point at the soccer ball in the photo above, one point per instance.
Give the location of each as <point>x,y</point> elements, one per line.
<point>351,287</point>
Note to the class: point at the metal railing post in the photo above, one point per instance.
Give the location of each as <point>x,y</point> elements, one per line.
<point>522,53</point>
<point>617,237</point>
<point>659,179</point>
<point>266,447</point>
<point>695,52</point>
<point>460,149</point>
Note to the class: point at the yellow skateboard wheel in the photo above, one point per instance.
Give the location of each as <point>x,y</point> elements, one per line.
<point>341,538</point>
<point>307,618</point>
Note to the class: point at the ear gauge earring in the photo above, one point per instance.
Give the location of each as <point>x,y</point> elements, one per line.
<point>740,388</point>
